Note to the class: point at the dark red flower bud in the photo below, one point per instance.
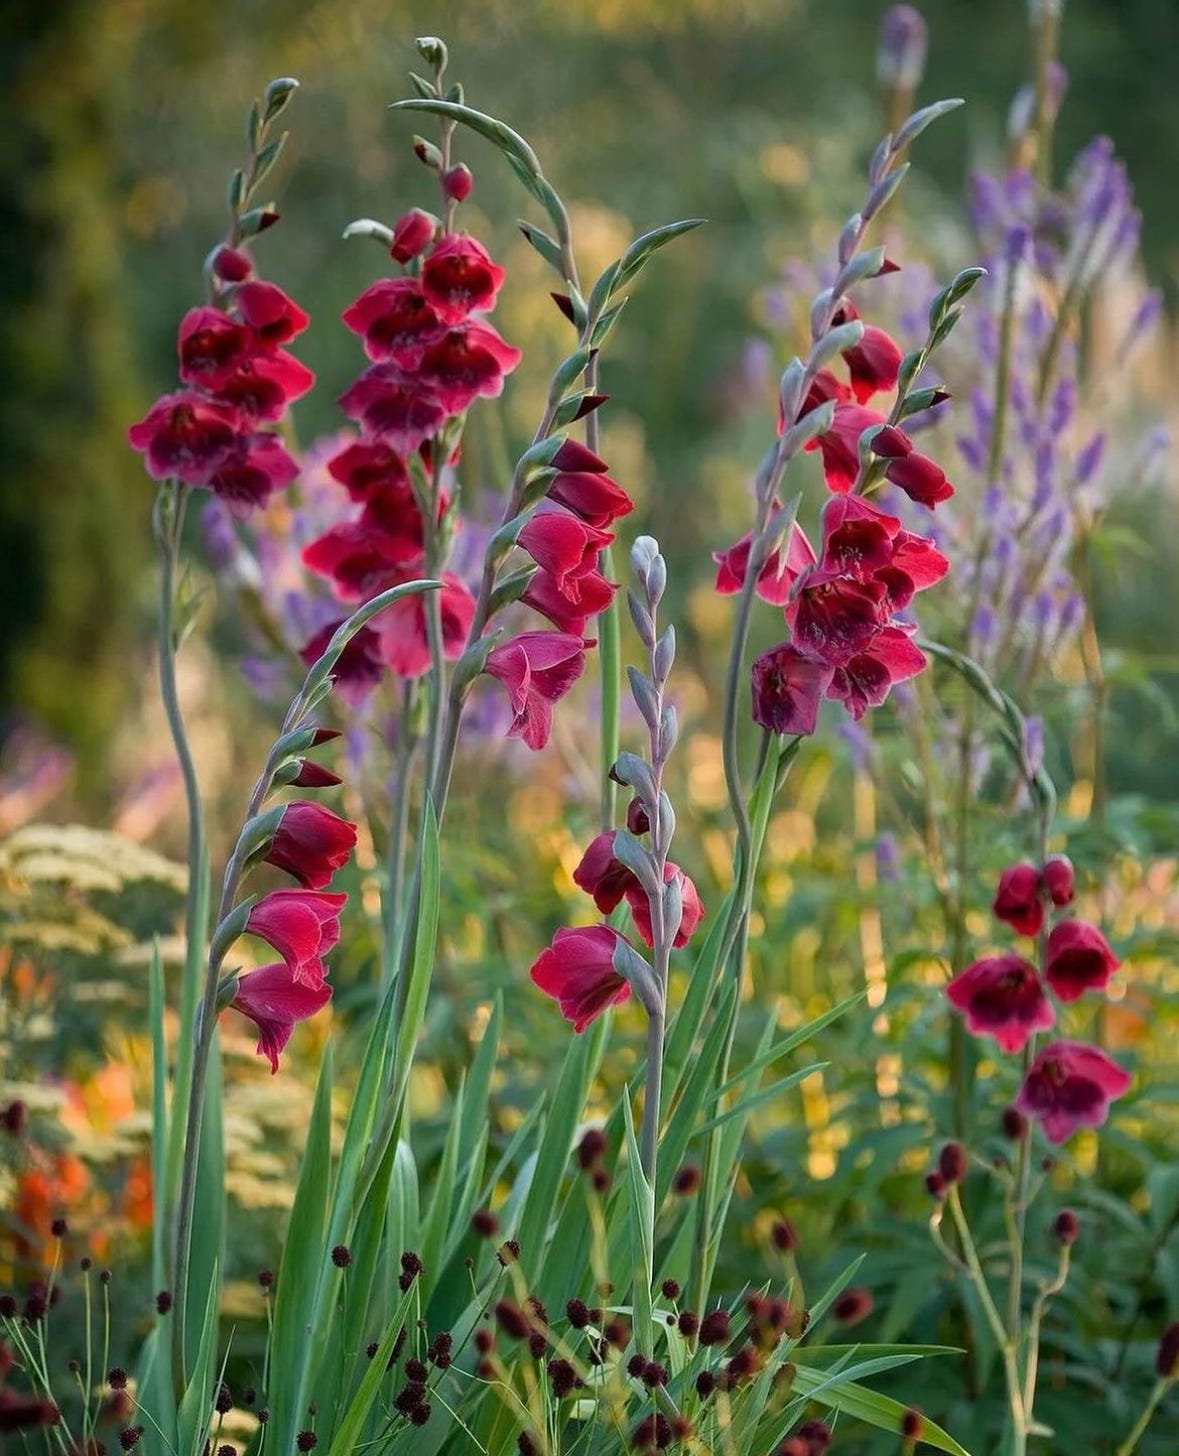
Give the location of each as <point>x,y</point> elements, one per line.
<point>591,1147</point>
<point>1166,1360</point>
<point>484,1223</point>
<point>341,1256</point>
<point>1065,1227</point>
<point>714,1327</point>
<point>852,1305</point>
<point>705,1384</point>
<point>686,1180</point>
<point>1058,880</point>
<point>412,234</point>
<point>783,1236</point>
<point>637,820</point>
<point>951,1162</point>
<point>1013,1123</point>
<point>1017,900</point>
<point>562,1377</point>
<point>14,1117</point>
<point>1078,959</point>
<point>232,265</point>
<point>935,1184</point>
<point>116,1378</point>
<point>911,1424</point>
<point>688,1323</point>
<point>671,1290</point>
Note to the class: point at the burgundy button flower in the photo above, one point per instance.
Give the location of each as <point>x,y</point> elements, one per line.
<point>1078,959</point>
<point>577,970</point>
<point>1070,1085</point>
<point>1017,900</point>
<point>788,686</point>
<point>536,668</point>
<point>459,277</point>
<point>274,1001</point>
<point>311,843</point>
<point>302,926</point>
<point>1001,996</point>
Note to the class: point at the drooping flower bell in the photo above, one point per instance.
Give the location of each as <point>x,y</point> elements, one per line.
<point>1003,997</point>
<point>536,668</point>
<point>1078,959</point>
<point>311,843</point>
<point>1070,1085</point>
<point>275,1001</point>
<point>577,970</point>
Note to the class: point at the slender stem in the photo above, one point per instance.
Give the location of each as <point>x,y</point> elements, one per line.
<point>1041,1304</point>
<point>649,1134</point>
<point>407,744</point>
<point>1156,1396</point>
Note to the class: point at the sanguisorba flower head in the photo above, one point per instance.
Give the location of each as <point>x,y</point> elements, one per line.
<point>1003,997</point>
<point>1070,1085</point>
<point>577,970</point>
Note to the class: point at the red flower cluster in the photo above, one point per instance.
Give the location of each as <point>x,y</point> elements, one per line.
<point>565,537</point>
<point>310,843</point>
<point>1069,1084</point>
<point>578,969</point>
<point>430,360</point>
<point>848,642</point>
<point>236,379</point>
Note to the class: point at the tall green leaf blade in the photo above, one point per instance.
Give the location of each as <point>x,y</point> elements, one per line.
<point>207,1241</point>
<point>303,1266</point>
<point>196,1405</point>
<point>422,962</point>
<point>641,1211</point>
<point>638,255</point>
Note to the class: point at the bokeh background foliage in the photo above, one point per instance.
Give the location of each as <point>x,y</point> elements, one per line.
<point>119,119</point>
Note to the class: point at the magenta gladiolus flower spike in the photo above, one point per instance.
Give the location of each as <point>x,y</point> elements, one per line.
<point>1002,996</point>
<point>1070,1085</point>
<point>1078,959</point>
<point>577,970</point>
<point>311,843</point>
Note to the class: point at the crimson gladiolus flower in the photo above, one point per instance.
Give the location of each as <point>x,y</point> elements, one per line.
<point>358,668</point>
<point>265,384</point>
<point>259,466</point>
<point>412,234</point>
<point>211,347</point>
<point>835,617</point>
<point>576,456</point>
<point>857,537</point>
<point>311,843</point>
<point>274,318</point>
<point>302,925</point>
<point>788,686</point>
<point>1017,900</point>
<point>401,627</point>
<point>537,668</point>
<point>690,917</point>
<point>564,545</point>
<point>367,468</point>
<point>274,1001</point>
<point>864,681</point>
<point>359,556</point>
<point>919,559</point>
<point>592,495</point>
<point>599,874</point>
<point>1070,1085</point>
<point>577,970</point>
<point>544,595</point>
<point>466,363</point>
<point>459,277</point>
<point>840,445</point>
<point>777,576</point>
<point>186,435</point>
<point>1002,996</point>
<point>395,321</point>
<point>873,363</point>
<point>1078,959</point>
<point>393,405</point>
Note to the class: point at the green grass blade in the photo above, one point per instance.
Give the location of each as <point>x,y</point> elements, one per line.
<point>422,961</point>
<point>159,1115</point>
<point>207,1241</point>
<point>641,1218</point>
<point>347,1437</point>
<point>196,1405</point>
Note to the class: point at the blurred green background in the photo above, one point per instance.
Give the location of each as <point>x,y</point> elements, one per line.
<point>122,118</point>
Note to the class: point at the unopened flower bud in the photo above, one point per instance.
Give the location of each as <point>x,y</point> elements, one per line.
<point>951,1162</point>
<point>1166,1360</point>
<point>901,48</point>
<point>1058,880</point>
<point>412,234</point>
<point>433,51</point>
<point>1013,1123</point>
<point>456,183</point>
<point>232,265</point>
<point>935,1184</point>
<point>911,1424</point>
<point>1065,1227</point>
